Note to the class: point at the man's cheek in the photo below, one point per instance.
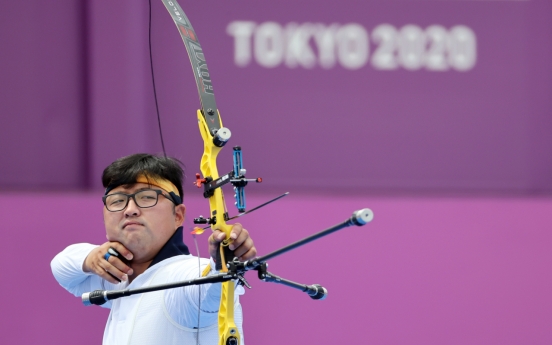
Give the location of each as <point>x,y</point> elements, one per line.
<point>112,237</point>
<point>111,231</point>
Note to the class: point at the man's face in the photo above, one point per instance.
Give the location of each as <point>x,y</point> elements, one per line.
<point>143,231</point>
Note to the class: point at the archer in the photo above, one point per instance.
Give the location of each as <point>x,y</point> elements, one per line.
<point>143,216</point>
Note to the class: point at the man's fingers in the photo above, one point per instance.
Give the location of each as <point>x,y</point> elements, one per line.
<point>113,267</point>
<point>121,249</point>
<point>115,261</point>
<point>219,236</point>
<point>96,262</point>
<point>216,237</point>
<point>250,254</point>
<point>109,278</point>
<point>106,267</point>
<point>241,243</point>
<point>239,238</point>
<point>243,247</point>
<point>102,273</point>
<point>237,230</point>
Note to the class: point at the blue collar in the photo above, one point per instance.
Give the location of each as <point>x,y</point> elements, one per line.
<point>174,246</point>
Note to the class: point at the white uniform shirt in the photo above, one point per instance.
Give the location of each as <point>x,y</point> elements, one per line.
<point>161,317</point>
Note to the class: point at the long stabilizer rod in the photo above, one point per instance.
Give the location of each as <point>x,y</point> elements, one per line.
<point>99,297</point>
<point>359,218</point>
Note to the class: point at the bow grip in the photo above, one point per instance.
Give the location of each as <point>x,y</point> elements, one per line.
<point>224,255</point>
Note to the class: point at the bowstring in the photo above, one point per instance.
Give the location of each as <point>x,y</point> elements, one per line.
<point>153,80</point>
<point>199,289</point>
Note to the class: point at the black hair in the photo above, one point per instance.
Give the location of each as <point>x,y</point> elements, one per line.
<point>125,171</point>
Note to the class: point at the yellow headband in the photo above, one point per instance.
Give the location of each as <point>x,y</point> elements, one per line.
<point>166,185</point>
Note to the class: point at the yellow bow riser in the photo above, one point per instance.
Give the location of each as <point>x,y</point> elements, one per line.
<point>208,166</point>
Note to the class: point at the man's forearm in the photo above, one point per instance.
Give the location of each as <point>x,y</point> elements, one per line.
<point>68,271</point>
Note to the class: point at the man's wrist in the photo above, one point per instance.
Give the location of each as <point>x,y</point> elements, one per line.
<point>84,267</point>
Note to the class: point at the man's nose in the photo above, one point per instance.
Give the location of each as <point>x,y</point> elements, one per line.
<point>132,209</point>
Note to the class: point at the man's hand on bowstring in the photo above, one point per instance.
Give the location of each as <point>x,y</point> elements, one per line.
<point>243,246</point>
<point>96,263</point>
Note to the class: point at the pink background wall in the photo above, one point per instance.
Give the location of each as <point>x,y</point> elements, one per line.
<point>425,271</point>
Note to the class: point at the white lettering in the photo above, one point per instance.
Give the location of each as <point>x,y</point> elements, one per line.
<point>269,44</point>
<point>385,36</point>
<point>435,57</point>
<point>324,37</point>
<point>241,31</point>
<point>412,42</point>
<point>309,44</point>
<point>298,49</point>
<point>462,48</point>
<point>352,46</point>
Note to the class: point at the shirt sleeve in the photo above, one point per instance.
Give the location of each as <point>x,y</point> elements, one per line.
<point>67,269</point>
<point>195,303</point>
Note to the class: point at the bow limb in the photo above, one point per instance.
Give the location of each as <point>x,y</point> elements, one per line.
<point>209,124</point>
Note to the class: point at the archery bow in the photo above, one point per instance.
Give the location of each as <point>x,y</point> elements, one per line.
<point>215,136</point>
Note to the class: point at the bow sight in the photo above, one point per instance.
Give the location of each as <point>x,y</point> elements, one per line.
<point>236,177</point>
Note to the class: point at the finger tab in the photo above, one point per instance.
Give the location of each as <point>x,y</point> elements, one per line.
<point>117,279</point>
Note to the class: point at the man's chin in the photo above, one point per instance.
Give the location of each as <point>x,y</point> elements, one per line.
<point>132,243</point>
<point>138,248</point>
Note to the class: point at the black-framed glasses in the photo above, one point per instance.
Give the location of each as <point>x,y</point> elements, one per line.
<point>144,198</point>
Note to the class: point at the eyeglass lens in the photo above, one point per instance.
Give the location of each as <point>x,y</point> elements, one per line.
<point>144,198</point>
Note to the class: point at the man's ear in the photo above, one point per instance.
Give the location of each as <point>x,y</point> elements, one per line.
<point>179,213</point>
